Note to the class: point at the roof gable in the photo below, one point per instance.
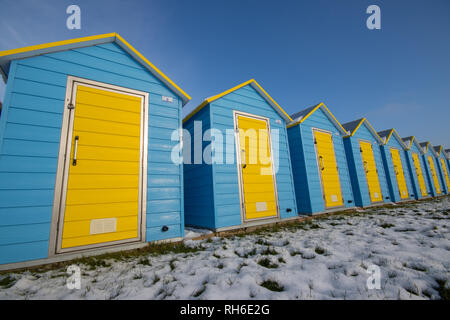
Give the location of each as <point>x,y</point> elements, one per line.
<point>353,126</point>
<point>437,150</point>
<point>387,134</point>
<point>27,52</point>
<point>426,147</point>
<point>301,116</point>
<point>255,85</point>
<point>411,141</point>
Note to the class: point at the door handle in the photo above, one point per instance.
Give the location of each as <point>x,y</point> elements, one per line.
<point>243,160</point>
<point>365,167</point>
<point>322,167</point>
<point>75,149</point>
<point>395,170</point>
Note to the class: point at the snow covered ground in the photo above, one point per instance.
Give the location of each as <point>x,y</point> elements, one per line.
<point>327,258</point>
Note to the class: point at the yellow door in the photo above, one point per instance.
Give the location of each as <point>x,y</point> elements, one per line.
<point>423,188</point>
<point>256,168</point>
<point>371,171</point>
<point>326,160</point>
<point>102,197</point>
<point>399,174</point>
<point>444,169</point>
<point>434,175</point>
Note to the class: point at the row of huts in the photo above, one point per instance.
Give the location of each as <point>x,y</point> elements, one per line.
<point>89,139</point>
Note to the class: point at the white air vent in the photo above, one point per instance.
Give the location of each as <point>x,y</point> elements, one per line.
<point>167,99</point>
<point>99,226</point>
<point>334,198</point>
<point>261,206</point>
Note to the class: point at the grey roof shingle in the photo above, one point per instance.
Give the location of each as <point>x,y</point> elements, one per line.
<point>302,113</point>
<point>350,126</point>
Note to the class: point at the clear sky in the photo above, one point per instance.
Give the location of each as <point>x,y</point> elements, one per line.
<point>301,51</point>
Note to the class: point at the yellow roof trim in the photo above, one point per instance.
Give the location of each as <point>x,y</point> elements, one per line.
<point>374,132</point>
<point>356,129</point>
<point>314,110</point>
<point>55,44</point>
<point>412,142</point>
<point>220,95</point>
<point>152,65</point>
<point>115,38</point>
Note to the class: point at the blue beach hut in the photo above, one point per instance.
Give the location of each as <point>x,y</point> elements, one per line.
<point>429,161</point>
<point>236,188</point>
<point>85,151</point>
<point>447,154</point>
<point>395,166</point>
<point>416,168</point>
<point>441,163</point>
<point>321,175</point>
<point>362,146</point>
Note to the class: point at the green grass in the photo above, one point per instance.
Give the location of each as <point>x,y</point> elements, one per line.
<point>272,285</point>
<point>386,225</point>
<point>266,263</point>
<point>320,250</point>
<point>269,251</point>
<point>7,282</point>
<point>443,289</point>
<point>144,261</point>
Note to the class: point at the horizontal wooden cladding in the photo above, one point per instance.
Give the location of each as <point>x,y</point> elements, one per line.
<point>73,229</point>
<point>93,181</point>
<point>104,167</point>
<point>91,196</point>
<point>107,114</point>
<point>100,210</point>
<point>97,238</point>
<point>102,126</point>
<point>88,138</point>
<point>24,233</point>
<point>86,152</point>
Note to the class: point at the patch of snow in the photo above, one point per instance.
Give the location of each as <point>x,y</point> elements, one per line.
<point>326,259</point>
<point>191,232</point>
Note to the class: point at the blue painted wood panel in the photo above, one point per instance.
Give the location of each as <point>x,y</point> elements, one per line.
<point>30,128</point>
<point>214,199</point>
<point>389,169</point>
<point>306,173</point>
<point>429,178</point>
<point>228,207</point>
<point>356,168</point>
<point>198,180</point>
<point>413,173</point>
<point>441,175</point>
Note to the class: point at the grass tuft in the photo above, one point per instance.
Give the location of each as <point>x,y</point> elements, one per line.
<point>272,286</point>
<point>266,263</point>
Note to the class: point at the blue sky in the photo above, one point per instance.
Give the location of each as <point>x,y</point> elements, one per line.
<point>301,52</point>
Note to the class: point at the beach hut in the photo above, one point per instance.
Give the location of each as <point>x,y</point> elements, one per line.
<point>321,176</point>
<point>395,166</point>
<point>365,163</point>
<point>441,163</point>
<point>244,177</point>
<point>447,154</point>
<point>429,156</point>
<point>85,151</point>
<point>416,167</point>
